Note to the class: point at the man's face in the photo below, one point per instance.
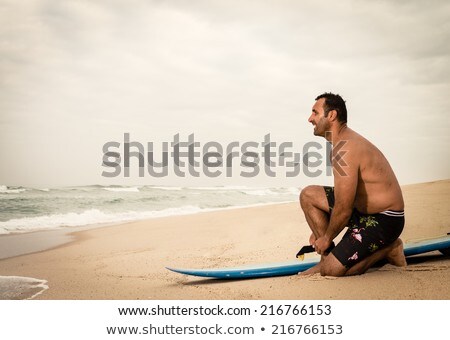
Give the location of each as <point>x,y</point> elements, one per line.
<point>318,119</point>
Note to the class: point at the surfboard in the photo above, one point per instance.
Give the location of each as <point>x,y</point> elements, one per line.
<point>294,267</point>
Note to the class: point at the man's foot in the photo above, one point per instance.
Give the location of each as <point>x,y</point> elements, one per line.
<point>396,256</point>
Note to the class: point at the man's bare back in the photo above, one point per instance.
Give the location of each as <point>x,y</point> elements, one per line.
<point>377,187</point>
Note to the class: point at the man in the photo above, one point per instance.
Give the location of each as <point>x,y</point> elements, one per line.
<point>366,199</point>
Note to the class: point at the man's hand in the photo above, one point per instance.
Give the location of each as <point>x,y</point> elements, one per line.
<point>322,244</point>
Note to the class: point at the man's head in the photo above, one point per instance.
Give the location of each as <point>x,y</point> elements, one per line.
<point>328,109</point>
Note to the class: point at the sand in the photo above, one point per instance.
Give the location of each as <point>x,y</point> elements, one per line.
<point>128,261</point>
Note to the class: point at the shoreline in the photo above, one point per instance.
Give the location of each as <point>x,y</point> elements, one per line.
<point>127,261</point>
<point>35,241</point>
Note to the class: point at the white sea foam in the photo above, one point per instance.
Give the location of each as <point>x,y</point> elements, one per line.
<point>88,217</point>
<point>5,190</point>
<point>271,191</point>
<point>294,190</point>
<point>131,189</point>
<point>225,188</point>
<point>18,287</point>
<point>254,191</point>
<point>260,192</point>
<point>167,188</point>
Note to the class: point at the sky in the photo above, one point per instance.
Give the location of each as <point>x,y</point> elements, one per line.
<point>75,75</point>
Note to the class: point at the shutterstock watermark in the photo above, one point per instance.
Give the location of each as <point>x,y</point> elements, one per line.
<point>212,159</point>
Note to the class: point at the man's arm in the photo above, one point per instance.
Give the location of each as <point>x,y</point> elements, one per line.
<point>345,184</point>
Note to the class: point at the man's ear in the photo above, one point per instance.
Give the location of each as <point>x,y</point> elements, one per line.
<point>332,115</point>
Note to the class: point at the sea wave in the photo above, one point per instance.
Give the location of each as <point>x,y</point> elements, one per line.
<point>253,191</point>
<point>88,217</point>
<point>130,189</point>
<point>272,191</point>
<point>260,192</point>
<point>7,190</point>
<point>225,188</point>
<point>166,188</point>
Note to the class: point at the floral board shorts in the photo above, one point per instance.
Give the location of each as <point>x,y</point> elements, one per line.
<point>366,233</point>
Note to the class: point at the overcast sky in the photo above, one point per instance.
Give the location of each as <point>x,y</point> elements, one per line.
<point>77,74</point>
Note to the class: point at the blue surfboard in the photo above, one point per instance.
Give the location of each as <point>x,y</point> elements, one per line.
<point>295,266</point>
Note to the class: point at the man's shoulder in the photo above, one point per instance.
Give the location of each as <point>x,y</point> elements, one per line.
<point>354,150</point>
<point>356,142</point>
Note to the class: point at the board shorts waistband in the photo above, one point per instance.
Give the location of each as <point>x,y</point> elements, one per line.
<point>393,213</point>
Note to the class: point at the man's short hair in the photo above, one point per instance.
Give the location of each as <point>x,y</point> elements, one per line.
<point>334,102</point>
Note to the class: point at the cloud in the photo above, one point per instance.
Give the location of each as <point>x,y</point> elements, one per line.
<point>75,74</point>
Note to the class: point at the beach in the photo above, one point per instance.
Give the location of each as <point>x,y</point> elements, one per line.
<point>128,260</point>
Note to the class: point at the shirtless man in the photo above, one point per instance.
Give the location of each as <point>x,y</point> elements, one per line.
<point>366,199</point>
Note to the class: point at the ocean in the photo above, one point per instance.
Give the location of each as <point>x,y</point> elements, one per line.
<point>24,209</point>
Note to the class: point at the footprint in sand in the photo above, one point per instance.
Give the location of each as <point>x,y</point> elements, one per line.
<point>425,268</point>
<point>316,277</point>
<point>415,268</point>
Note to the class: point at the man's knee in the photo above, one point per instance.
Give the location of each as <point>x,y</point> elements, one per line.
<point>331,272</point>
<point>331,266</point>
<point>309,194</point>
